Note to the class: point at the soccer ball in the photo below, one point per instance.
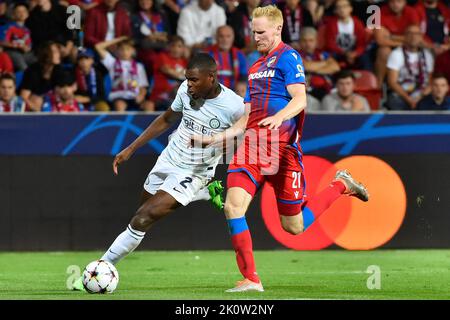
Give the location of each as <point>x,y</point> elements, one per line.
<point>100,276</point>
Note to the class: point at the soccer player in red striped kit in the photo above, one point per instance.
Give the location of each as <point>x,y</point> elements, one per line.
<point>271,152</point>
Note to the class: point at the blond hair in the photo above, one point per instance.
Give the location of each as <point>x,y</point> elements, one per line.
<point>271,12</point>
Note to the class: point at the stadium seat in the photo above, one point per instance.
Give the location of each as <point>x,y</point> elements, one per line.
<point>366,85</point>
<point>107,82</point>
<point>19,76</point>
<point>365,79</point>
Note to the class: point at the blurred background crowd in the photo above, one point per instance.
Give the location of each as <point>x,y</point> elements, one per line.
<point>130,55</point>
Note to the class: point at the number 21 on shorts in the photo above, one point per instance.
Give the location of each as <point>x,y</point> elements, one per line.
<point>296,182</point>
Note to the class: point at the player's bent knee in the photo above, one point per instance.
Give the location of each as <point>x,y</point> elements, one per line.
<point>236,203</point>
<point>233,211</point>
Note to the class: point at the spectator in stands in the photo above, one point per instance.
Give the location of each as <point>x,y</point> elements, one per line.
<point>329,8</point>
<point>313,103</point>
<point>345,99</point>
<point>198,23</point>
<point>16,39</point>
<point>345,36</point>
<point>409,70</point>
<point>85,5</point>
<point>6,64</point>
<point>295,18</point>
<point>62,97</point>
<point>4,19</point>
<point>319,65</point>
<point>228,5</point>
<point>172,8</point>
<point>168,74</point>
<point>396,16</point>
<point>435,24</point>
<point>129,79</point>
<point>90,82</point>
<point>47,22</point>
<point>9,101</point>
<point>231,62</point>
<point>240,21</point>
<point>105,22</point>
<point>150,31</point>
<point>316,10</point>
<point>438,99</point>
<point>442,64</point>
<point>37,79</point>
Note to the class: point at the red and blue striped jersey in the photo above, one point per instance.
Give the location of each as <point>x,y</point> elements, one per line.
<point>267,91</point>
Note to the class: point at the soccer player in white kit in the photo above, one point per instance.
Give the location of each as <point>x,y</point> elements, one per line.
<point>182,172</point>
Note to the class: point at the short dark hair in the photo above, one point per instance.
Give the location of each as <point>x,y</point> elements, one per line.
<point>175,38</point>
<point>126,42</point>
<point>344,74</point>
<point>202,61</point>
<point>8,76</point>
<point>63,78</point>
<point>438,75</point>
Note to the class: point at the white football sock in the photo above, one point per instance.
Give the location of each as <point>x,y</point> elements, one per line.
<point>203,194</point>
<point>125,243</point>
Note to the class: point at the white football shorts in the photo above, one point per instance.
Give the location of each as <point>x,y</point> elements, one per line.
<point>179,183</point>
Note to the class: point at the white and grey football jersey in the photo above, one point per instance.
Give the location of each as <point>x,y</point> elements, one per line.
<point>201,117</point>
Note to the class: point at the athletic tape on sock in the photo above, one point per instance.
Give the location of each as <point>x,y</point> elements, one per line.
<point>237,225</point>
<point>308,217</point>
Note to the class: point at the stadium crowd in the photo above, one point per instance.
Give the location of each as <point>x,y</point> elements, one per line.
<point>130,55</point>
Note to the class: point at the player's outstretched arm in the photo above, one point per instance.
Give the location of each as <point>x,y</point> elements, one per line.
<point>158,126</point>
<point>293,108</point>
<point>220,139</point>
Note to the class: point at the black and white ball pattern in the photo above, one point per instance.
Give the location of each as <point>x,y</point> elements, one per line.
<point>100,277</point>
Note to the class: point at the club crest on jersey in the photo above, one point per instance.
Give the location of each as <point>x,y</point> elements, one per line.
<point>214,123</point>
<point>271,61</point>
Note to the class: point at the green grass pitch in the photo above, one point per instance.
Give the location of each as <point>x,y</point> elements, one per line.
<point>172,275</point>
